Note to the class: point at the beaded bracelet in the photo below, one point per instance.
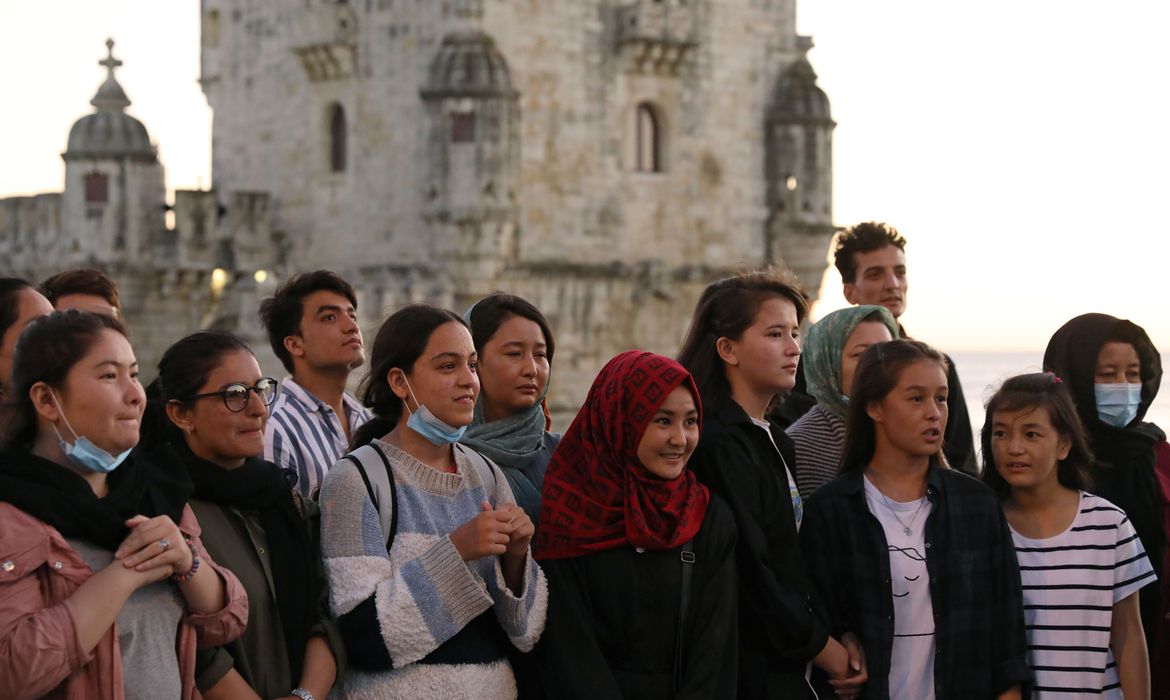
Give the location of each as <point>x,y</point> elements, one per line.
<point>180,578</point>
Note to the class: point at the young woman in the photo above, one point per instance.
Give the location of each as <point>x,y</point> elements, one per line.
<point>213,403</point>
<point>1080,560</point>
<point>829,358</point>
<point>1113,372</point>
<point>625,524</point>
<point>515,348</point>
<point>913,556</point>
<point>105,587</point>
<point>426,551</point>
<point>742,349</point>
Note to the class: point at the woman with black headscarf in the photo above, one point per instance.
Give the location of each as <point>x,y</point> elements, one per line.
<point>1114,371</point>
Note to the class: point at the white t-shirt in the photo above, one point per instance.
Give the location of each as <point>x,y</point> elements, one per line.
<point>912,655</point>
<point>793,492</point>
<point>1071,582</point>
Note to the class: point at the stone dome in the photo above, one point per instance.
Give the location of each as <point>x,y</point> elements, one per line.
<point>798,98</point>
<point>469,65</point>
<point>110,132</point>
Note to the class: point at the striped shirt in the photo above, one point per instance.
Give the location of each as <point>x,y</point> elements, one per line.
<point>819,437</point>
<point>1071,583</point>
<point>304,435</point>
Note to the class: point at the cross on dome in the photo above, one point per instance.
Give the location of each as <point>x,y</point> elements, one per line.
<point>110,62</point>
<point>110,96</point>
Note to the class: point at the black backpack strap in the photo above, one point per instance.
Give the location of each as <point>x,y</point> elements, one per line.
<point>373,492</point>
<point>687,556</point>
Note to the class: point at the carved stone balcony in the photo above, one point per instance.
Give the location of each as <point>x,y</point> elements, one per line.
<point>657,35</point>
<point>326,42</point>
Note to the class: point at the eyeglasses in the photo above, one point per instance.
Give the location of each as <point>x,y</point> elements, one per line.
<point>236,396</point>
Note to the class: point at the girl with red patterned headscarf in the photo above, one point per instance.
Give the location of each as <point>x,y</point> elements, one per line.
<point>639,555</point>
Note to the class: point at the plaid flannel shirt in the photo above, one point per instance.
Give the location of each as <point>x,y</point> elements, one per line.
<point>974,583</point>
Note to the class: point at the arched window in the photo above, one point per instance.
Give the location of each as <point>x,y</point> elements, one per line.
<point>337,139</point>
<point>647,140</point>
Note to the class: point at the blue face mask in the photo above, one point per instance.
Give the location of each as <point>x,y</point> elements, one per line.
<point>1118,404</point>
<point>84,453</point>
<point>423,422</point>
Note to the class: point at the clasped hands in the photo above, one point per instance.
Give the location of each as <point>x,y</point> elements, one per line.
<point>156,547</point>
<point>506,530</point>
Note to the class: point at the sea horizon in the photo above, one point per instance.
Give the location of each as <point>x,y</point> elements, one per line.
<point>981,372</point>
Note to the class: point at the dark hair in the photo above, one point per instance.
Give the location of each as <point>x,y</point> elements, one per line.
<point>82,280</point>
<point>282,312</point>
<point>47,350</point>
<point>1028,391</point>
<point>878,370</point>
<point>10,288</point>
<point>863,238</point>
<point>182,372</point>
<point>725,310</point>
<point>399,343</point>
<point>492,311</point>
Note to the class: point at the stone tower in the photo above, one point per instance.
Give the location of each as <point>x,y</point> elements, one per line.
<point>203,272</point>
<point>604,158</point>
<point>114,188</point>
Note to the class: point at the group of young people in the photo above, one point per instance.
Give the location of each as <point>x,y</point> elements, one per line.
<point>761,516</point>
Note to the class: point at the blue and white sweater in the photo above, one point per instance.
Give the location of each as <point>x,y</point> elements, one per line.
<point>420,621</point>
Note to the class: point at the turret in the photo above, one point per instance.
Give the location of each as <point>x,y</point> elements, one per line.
<point>114,192</point>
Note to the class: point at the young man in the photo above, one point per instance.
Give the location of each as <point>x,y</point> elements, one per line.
<point>83,288</point>
<point>871,258</point>
<point>312,326</point>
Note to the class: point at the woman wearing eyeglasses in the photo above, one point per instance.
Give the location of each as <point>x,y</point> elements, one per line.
<point>216,404</point>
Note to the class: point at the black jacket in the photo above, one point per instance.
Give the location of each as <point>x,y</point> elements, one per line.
<point>778,631</point>
<point>612,625</point>
<point>1123,472</point>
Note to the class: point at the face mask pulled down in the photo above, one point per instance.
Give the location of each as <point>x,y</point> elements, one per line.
<point>425,423</point>
<point>1118,404</point>
<point>83,452</point>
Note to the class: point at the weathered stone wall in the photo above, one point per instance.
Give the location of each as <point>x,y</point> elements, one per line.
<point>616,258</point>
<point>489,144</point>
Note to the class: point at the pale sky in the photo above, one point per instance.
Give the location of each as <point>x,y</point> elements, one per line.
<point>1022,146</point>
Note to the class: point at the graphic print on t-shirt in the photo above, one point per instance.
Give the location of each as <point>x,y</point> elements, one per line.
<point>912,652</point>
<point>899,590</point>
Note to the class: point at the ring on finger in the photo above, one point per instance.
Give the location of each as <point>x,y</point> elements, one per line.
<point>164,543</point>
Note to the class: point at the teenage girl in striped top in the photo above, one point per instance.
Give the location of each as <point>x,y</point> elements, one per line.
<point>1081,563</point>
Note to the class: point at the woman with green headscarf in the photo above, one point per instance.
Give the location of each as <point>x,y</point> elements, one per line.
<point>514,345</point>
<point>829,357</point>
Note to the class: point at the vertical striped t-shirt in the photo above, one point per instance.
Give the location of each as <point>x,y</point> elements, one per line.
<point>304,435</point>
<point>1071,582</point>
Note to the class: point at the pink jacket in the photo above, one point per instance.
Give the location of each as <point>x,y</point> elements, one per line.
<point>40,655</point>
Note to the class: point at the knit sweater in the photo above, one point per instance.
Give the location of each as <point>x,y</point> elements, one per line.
<point>419,621</point>
<point>819,437</point>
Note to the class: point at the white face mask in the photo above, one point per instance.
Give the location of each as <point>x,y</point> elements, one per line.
<point>1118,404</point>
